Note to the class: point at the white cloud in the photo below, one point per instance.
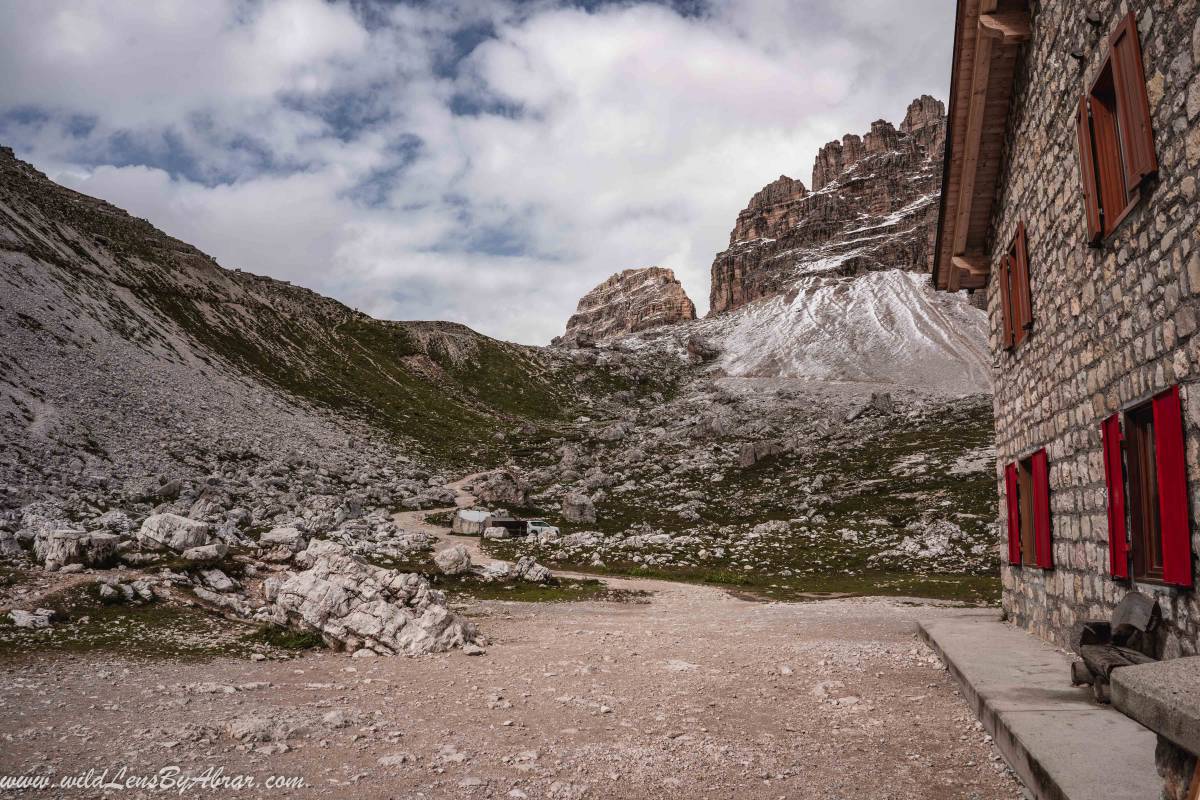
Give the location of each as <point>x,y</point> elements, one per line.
<point>363,152</point>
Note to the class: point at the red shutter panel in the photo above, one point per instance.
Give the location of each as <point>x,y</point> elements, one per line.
<point>1041,510</point>
<point>1014,526</point>
<point>1087,173</point>
<point>1006,306</point>
<point>1172,489</point>
<point>1021,282</point>
<point>1133,106</point>
<point>1114,480</point>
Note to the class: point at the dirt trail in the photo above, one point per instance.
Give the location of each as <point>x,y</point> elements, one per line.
<point>690,694</point>
<point>417,521</point>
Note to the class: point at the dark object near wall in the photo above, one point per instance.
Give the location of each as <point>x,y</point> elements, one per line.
<point>1105,645</point>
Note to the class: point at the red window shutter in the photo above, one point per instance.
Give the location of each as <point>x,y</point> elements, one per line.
<point>1114,480</point>
<point>1087,173</point>
<point>1172,489</point>
<point>1133,106</point>
<point>1006,306</point>
<point>1014,513</point>
<point>1041,509</point>
<point>1024,301</point>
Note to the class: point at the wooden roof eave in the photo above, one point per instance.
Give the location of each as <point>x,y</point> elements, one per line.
<point>980,92</point>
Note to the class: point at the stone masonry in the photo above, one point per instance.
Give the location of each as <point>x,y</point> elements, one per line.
<point>1112,325</point>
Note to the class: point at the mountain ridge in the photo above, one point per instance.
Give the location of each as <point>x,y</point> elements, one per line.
<point>884,181</point>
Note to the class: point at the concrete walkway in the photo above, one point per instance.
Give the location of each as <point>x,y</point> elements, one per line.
<point>1061,743</point>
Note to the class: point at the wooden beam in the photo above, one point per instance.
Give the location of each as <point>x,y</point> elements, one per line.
<point>972,265</point>
<point>954,278</point>
<point>1010,27</point>
<point>970,165</point>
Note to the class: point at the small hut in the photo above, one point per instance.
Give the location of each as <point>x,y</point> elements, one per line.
<point>471,521</point>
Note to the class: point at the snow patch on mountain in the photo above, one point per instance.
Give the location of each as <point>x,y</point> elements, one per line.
<point>881,327</point>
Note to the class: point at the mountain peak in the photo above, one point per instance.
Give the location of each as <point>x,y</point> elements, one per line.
<point>629,301</point>
<point>883,181</point>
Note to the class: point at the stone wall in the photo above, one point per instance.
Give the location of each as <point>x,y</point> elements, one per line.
<point>1113,325</point>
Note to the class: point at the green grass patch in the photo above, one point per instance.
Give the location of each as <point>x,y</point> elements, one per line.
<point>149,631</point>
<point>285,638</point>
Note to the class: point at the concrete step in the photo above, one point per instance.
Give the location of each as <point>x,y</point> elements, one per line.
<point>1059,741</point>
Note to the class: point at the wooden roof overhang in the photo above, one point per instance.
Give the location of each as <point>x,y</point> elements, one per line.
<point>987,41</point>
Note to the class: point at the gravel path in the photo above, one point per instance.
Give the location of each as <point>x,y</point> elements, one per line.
<point>693,694</point>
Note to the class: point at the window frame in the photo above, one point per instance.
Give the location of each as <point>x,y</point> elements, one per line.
<point>1026,526</point>
<point>1019,292</point>
<point>1108,151</point>
<point>1029,511</point>
<point>1118,143</point>
<point>1141,495</point>
<point>1150,526</point>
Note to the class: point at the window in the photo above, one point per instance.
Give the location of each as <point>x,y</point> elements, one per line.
<point>1015,297</point>
<point>1116,137</point>
<point>1149,532</point>
<point>1027,484</point>
<point>1143,493</point>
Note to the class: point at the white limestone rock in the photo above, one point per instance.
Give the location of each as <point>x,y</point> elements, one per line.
<point>527,569</point>
<point>31,619</point>
<point>355,605</point>
<point>57,548</point>
<point>453,560</point>
<point>206,554</point>
<point>281,544</point>
<point>174,532</point>
<point>578,507</point>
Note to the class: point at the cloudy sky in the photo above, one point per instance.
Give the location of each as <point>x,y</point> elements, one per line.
<point>482,161</point>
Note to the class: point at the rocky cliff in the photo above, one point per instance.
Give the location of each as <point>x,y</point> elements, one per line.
<point>630,301</point>
<point>872,207</point>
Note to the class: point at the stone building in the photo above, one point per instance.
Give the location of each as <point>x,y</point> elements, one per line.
<point>1070,198</point>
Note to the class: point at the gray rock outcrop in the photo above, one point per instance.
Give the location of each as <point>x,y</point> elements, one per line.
<point>355,605</point>
<point>630,301</point>
<point>58,548</point>
<point>174,532</point>
<point>453,560</point>
<point>578,507</point>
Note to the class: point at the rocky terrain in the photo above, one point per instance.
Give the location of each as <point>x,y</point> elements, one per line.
<point>238,444</point>
<point>208,468</point>
<point>873,206</point>
<point>232,442</point>
<point>687,693</point>
<point>630,301</point>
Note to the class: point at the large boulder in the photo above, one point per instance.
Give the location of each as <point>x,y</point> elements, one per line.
<point>578,507</point>
<point>453,560</point>
<point>355,605</point>
<point>207,553</point>
<point>527,569</point>
<point>58,548</point>
<point>174,532</point>
<point>39,618</point>
<point>502,487</point>
<point>754,452</point>
<point>281,544</point>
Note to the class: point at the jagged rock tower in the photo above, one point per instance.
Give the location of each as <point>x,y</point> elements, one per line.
<point>872,206</point>
<point>630,301</point>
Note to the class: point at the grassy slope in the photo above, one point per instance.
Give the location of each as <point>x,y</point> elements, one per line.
<point>442,388</point>
<point>867,490</point>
